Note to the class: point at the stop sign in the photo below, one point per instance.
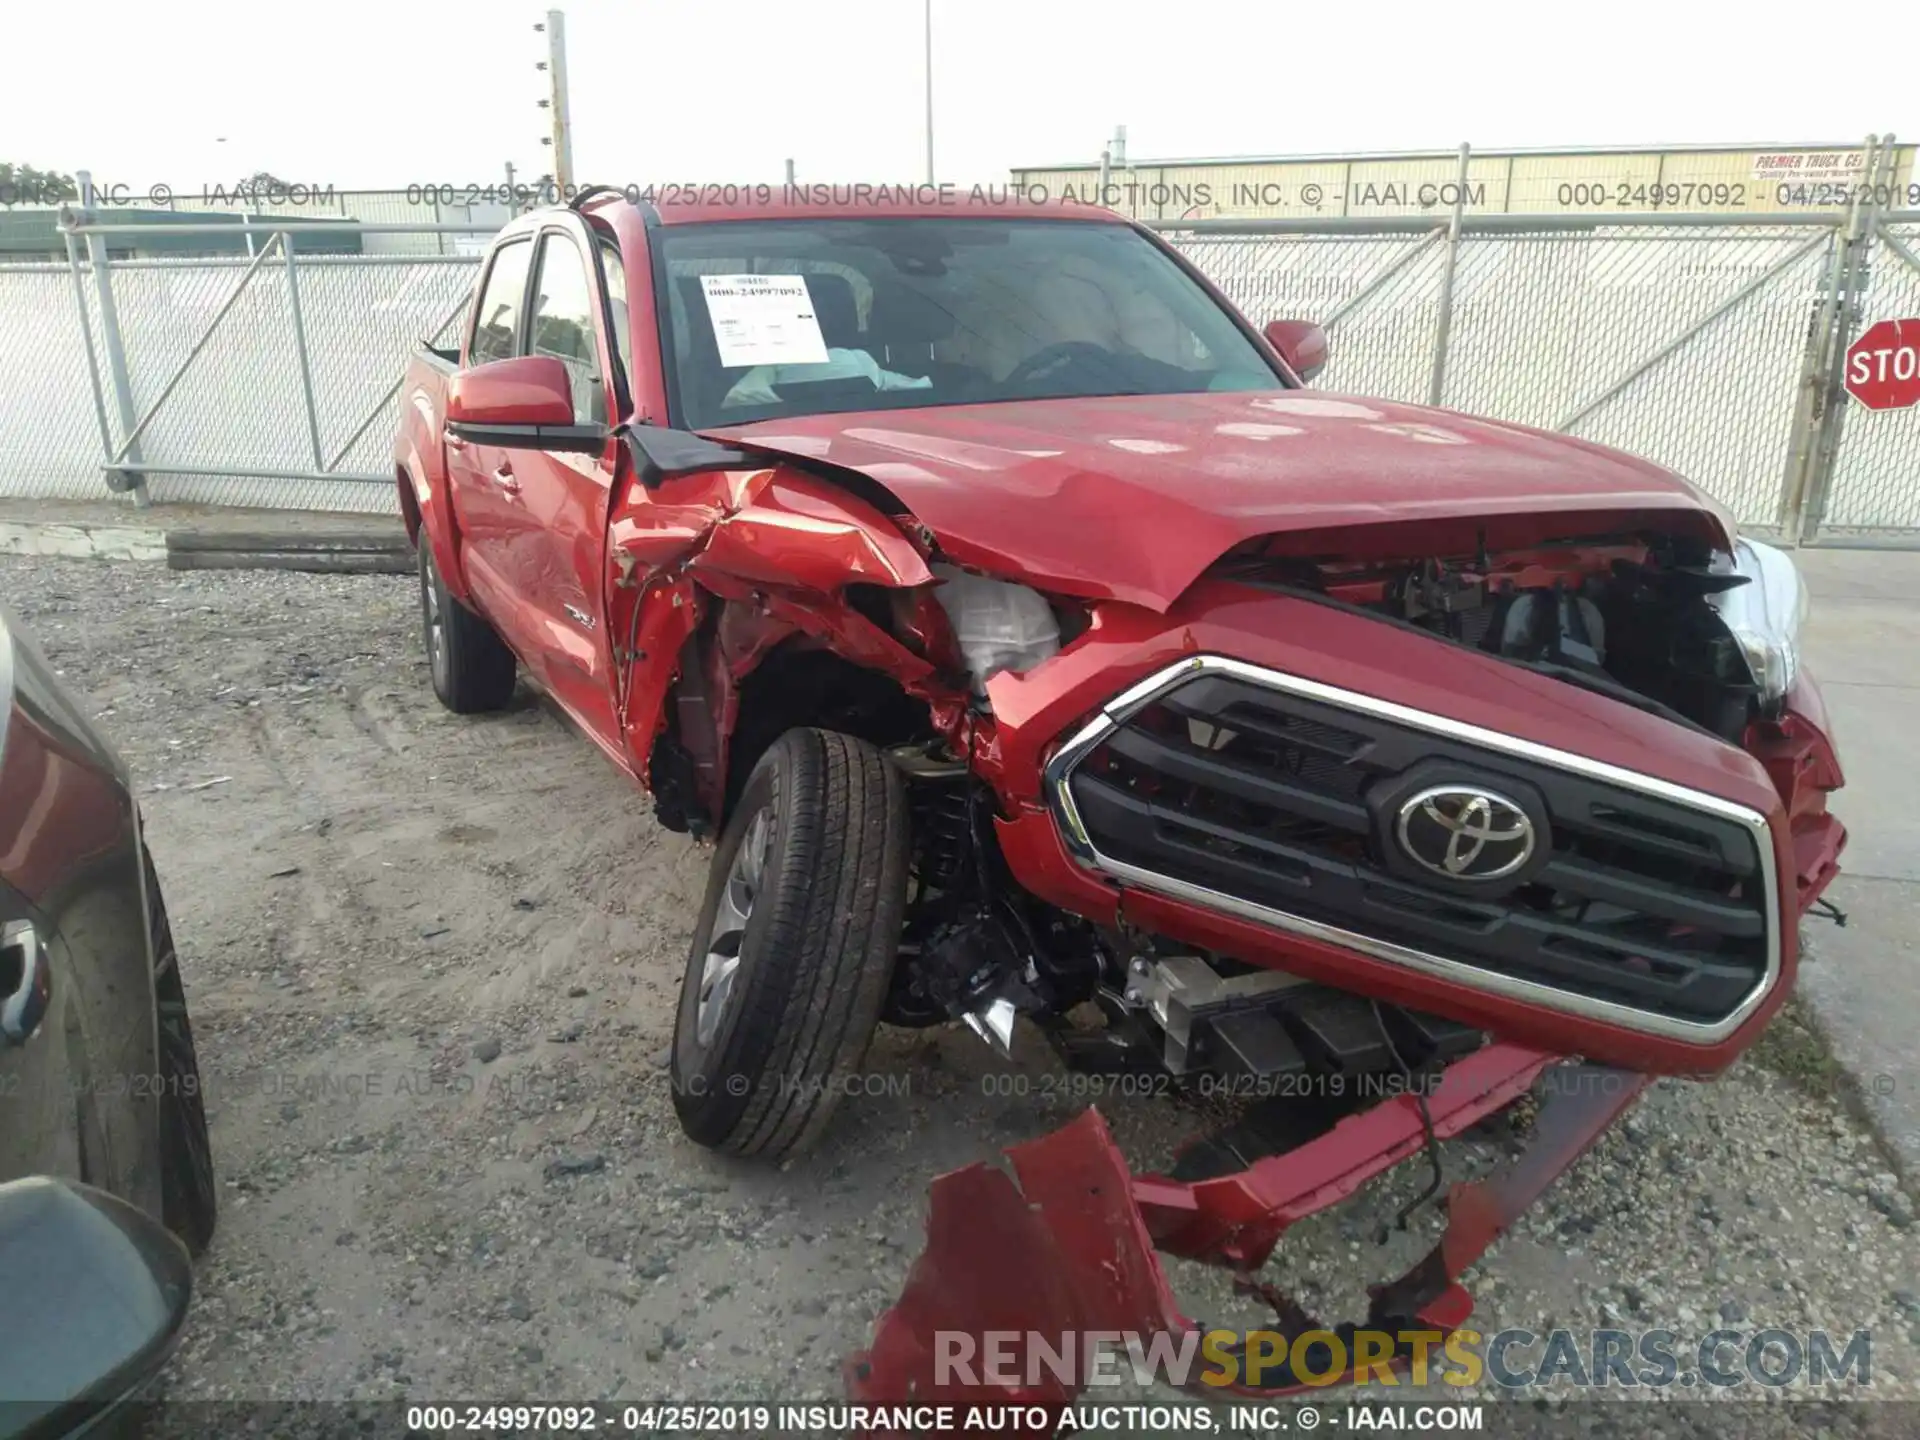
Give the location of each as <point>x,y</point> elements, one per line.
<point>1883,365</point>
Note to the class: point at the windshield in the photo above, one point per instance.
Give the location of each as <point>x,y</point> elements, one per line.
<point>805,317</point>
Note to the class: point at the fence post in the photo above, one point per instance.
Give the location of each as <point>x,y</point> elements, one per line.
<point>1443,328</point>
<point>130,478</point>
<point>86,339</point>
<point>1803,440</point>
<point>1862,224</point>
<point>300,346</point>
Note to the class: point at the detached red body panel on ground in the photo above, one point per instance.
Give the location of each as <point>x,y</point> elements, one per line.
<point>1064,1246</point>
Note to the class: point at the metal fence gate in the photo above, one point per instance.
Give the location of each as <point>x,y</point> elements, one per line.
<point>1711,344</point>
<point>1685,344</point>
<point>266,380</point>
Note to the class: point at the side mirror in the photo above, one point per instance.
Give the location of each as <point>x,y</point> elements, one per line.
<point>1301,343</point>
<point>96,1294</point>
<point>529,390</point>
<point>525,403</point>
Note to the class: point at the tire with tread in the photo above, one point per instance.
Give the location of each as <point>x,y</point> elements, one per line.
<point>472,669</point>
<point>189,1194</point>
<point>816,953</point>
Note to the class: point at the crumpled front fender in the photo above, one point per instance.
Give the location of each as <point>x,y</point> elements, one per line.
<point>1068,1250</point>
<point>796,531</point>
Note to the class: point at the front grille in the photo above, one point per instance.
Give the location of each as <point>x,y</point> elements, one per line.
<point>1283,803</point>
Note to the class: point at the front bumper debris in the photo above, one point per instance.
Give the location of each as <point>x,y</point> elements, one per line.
<point>1069,1250</point>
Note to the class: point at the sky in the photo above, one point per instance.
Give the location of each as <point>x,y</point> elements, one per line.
<point>366,94</point>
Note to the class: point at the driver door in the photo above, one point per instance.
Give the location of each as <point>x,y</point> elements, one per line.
<point>563,496</point>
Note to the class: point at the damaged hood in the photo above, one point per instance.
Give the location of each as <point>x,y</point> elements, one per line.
<point>1133,497</point>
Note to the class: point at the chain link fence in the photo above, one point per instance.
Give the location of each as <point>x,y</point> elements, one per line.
<point>247,386</point>
<point>1686,344</point>
<point>271,380</point>
<point>1377,294</point>
<point>1695,341</point>
<point>50,437</point>
<point>1684,347</point>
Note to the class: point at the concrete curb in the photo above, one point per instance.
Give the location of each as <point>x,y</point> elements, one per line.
<point>372,547</point>
<point>101,542</point>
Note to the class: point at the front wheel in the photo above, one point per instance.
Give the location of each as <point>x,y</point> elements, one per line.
<point>794,946</point>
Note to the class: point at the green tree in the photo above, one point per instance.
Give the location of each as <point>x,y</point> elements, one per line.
<point>261,184</point>
<point>25,185</point>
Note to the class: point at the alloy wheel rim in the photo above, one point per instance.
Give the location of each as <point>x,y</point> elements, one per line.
<point>436,622</point>
<point>720,970</point>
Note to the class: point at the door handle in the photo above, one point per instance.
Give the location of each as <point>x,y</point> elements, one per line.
<point>503,477</point>
<point>26,982</point>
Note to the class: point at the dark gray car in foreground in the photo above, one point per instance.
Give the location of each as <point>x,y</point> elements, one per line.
<point>100,1099</point>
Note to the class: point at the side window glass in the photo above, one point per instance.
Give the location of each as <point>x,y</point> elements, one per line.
<point>563,326</point>
<point>496,320</point>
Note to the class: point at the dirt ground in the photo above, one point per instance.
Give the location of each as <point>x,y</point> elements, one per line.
<point>432,964</point>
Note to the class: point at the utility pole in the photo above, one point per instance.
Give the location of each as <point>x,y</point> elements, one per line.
<point>1443,327</point>
<point>562,138</point>
<point>928,12</point>
<point>1114,155</point>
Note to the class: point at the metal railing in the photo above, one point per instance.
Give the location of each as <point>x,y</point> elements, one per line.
<point>1711,344</point>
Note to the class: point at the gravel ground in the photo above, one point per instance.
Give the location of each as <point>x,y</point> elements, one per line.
<point>432,963</point>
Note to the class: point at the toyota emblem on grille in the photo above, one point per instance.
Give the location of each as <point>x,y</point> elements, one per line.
<point>1465,833</point>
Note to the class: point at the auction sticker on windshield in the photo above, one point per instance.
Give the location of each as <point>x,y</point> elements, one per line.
<point>763,320</point>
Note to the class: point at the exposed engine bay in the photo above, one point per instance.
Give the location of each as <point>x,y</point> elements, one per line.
<point>1699,637</point>
<point>1659,621</point>
<point>1656,621</point>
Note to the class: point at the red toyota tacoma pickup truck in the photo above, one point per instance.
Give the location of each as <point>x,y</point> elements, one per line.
<point>1034,641</point>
